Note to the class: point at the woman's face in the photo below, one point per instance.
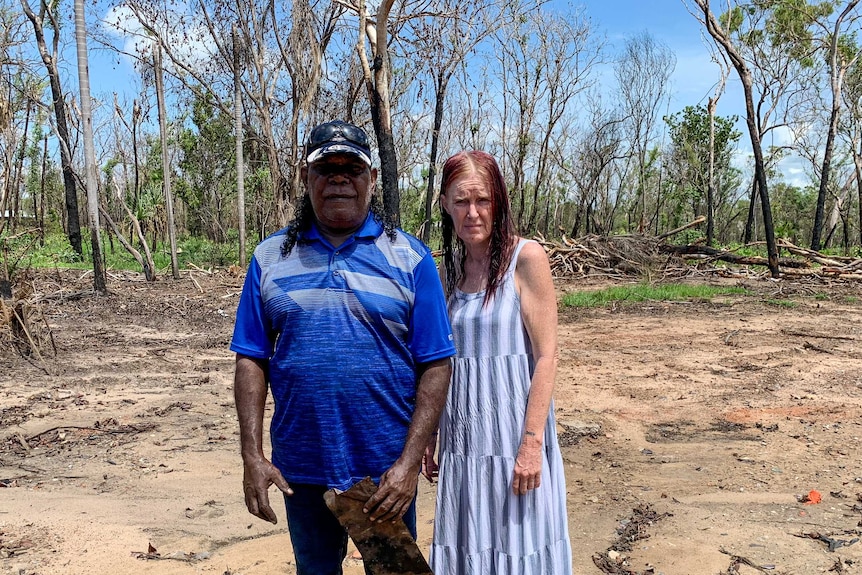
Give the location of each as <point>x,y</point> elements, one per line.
<point>467,200</point>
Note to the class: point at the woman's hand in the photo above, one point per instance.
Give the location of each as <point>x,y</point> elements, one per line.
<point>430,469</point>
<point>528,466</point>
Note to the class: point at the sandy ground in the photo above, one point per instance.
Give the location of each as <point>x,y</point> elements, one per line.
<point>692,432</point>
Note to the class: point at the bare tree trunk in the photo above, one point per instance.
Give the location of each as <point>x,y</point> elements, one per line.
<point>42,191</point>
<point>439,100</point>
<point>16,178</point>
<point>166,161</point>
<point>146,263</point>
<point>710,186</point>
<point>749,234</point>
<point>857,162</point>
<point>99,279</point>
<point>836,80</point>
<point>720,36</point>
<point>136,113</point>
<point>73,223</point>
<point>377,84</point>
<point>240,162</point>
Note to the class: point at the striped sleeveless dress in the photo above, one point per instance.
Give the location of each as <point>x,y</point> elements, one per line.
<point>481,527</point>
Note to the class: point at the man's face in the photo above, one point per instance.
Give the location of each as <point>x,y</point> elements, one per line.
<point>340,187</point>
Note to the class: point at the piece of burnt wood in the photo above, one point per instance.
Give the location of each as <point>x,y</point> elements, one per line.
<point>387,548</point>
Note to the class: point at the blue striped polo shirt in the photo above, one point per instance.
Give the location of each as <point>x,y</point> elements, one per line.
<point>344,330</point>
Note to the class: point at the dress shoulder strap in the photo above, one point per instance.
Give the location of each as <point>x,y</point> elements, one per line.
<point>514,261</point>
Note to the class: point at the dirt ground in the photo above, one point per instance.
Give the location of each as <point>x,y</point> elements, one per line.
<point>693,433</point>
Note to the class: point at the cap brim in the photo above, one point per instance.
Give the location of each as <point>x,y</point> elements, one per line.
<point>339,148</point>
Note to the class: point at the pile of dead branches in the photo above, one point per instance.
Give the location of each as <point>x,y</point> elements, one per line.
<point>23,325</point>
<point>610,256</point>
<point>644,256</point>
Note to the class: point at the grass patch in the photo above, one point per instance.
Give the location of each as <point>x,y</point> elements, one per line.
<point>26,252</point>
<point>786,303</point>
<point>644,292</point>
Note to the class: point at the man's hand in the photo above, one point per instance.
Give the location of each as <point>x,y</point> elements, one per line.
<point>395,493</point>
<point>257,476</point>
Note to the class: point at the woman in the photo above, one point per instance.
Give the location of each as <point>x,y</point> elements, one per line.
<point>501,502</point>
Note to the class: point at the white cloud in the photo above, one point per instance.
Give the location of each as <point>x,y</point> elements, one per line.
<point>180,28</point>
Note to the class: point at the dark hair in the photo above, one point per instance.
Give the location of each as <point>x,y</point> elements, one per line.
<point>503,234</point>
<point>304,218</point>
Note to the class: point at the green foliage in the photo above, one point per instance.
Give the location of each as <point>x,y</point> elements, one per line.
<point>207,168</point>
<point>848,47</point>
<point>732,19</point>
<point>689,161</point>
<point>793,210</point>
<point>205,253</point>
<point>786,25</point>
<point>58,253</point>
<point>758,250</point>
<point>689,133</point>
<point>23,251</point>
<point>646,292</point>
<point>151,202</point>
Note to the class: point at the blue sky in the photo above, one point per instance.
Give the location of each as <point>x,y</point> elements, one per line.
<point>696,75</point>
<point>667,21</point>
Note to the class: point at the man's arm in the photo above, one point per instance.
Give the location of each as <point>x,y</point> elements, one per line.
<point>398,484</point>
<point>259,473</point>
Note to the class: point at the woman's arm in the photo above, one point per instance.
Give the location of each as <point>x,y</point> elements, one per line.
<point>539,311</point>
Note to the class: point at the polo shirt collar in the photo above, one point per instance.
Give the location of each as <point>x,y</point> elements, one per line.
<point>371,228</point>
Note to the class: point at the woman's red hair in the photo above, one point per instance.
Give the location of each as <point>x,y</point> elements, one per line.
<point>502,245</point>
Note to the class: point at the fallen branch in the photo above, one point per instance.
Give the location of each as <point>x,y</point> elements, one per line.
<point>831,544</point>
<point>736,560</point>
<point>813,347</point>
<point>696,222</point>
<point>817,335</point>
<point>194,281</point>
<point>726,256</point>
<point>208,272</point>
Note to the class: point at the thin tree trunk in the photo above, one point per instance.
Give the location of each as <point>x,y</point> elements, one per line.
<point>720,36</point>
<point>439,101</point>
<point>99,279</point>
<point>136,112</point>
<point>748,236</point>
<point>73,224</point>
<point>240,162</point>
<point>836,79</point>
<point>710,186</point>
<point>166,161</point>
<point>42,191</point>
<point>377,85</point>
<point>857,160</point>
<point>388,158</point>
<point>146,263</point>
<point>17,180</point>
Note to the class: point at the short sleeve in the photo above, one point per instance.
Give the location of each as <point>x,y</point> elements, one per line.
<point>251,333</point>
<point>430,336</point>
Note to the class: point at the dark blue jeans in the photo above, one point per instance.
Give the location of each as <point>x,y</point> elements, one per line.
<point>319,541</point>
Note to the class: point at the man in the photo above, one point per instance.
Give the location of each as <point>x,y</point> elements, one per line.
<point>343,315</point>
